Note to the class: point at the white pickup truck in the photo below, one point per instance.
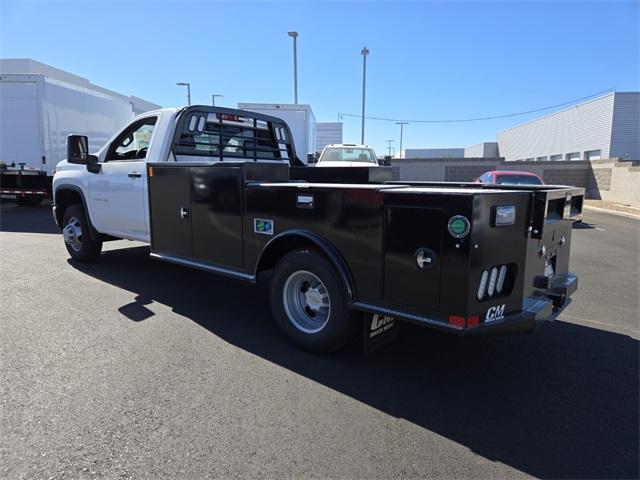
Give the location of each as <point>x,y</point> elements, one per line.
<point>347,155</point>
<point>111,190</point>
<point>213,188</point>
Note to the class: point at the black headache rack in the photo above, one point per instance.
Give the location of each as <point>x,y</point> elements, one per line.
<point>232,135</point>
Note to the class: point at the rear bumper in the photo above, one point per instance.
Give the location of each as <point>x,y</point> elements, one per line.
<point>536,310</point>
<point>25,183</point>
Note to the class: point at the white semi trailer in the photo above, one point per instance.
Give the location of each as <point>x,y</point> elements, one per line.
<point>39,107</point>
<point>299,118</point>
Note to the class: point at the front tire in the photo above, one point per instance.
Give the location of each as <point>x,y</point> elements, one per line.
<point>309,302</point>
<point>77,236</point>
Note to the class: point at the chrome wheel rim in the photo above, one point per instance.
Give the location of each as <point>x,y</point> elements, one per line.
<point>306,301</point>
<point>72,233</point>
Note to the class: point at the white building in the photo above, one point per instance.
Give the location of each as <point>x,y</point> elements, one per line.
<point>482,150</point>
<point>605,127</point>
<point>433,152</point>
<point>328,133</point>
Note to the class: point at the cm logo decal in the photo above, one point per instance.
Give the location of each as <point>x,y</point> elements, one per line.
<point>263,225</point>
<point>495,313</point>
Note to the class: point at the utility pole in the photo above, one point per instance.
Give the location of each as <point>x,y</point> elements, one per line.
<point>213,98</point>
<point>294,35</point>
<point>364,52</point>
<point>188,85</point>
<point>389,146</point>
<point>402,124</point>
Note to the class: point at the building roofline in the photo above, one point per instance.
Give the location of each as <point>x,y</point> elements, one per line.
<point>563,110</point>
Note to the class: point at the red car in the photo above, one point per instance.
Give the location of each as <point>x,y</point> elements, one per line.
<point>509,177</point>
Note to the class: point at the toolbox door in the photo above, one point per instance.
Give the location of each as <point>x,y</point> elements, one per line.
<point>412,240</point>
<point>216,204</point>
<point>169,207</point>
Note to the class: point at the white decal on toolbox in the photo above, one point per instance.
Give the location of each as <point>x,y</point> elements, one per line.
<point>495,313</point>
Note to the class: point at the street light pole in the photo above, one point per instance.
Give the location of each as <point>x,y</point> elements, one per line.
<point>294,35</point>
<point>389,146</point>
<point>188,85</point>
<point>213,98</point>
<point>364,52</point>
<point>402,124</point>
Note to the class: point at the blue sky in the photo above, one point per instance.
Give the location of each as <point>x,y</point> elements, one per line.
<point>428,60</point>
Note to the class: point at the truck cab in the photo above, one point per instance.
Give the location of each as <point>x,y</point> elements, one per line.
<point>213,188</point>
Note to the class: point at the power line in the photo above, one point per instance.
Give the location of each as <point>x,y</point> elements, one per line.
<point>477,119</point>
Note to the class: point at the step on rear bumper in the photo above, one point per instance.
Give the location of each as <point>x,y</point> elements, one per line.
<point>536,310</point>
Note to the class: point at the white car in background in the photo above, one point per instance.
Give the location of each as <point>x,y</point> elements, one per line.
<point>347,155</point>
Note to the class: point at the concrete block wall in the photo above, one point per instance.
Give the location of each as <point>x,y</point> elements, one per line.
<point>608,179</point>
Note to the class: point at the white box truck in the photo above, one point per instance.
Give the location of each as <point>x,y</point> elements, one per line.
<point>39,107</point>
<point>299,118</point>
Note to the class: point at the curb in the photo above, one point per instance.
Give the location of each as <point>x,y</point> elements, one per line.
<point>613,212</point>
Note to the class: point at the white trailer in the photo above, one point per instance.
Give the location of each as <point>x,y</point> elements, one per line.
<point>299,118</point>
<point>39,107</point>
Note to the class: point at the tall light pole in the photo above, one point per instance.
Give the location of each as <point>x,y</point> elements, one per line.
<point>294,35</point>
<point>188,85</point>
<point>213,98</point>
<point>364,52</point>
<point>402,124</point>
<point>389,142</point>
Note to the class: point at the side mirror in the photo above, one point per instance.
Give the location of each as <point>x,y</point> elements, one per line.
<point>386,162</point>
<point>311,158</point>
<point>78,150</point>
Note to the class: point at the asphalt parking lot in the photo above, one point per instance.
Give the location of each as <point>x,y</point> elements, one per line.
<point>132,368</point>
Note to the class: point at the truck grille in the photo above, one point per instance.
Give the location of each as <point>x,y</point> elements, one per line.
<point>496,281</point>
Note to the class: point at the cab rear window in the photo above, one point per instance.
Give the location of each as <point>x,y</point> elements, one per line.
<point>233,136</point>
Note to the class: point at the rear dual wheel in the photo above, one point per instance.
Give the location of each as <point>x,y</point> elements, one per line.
<point>309,302</point>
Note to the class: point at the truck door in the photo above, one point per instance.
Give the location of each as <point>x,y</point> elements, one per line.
<point>118,191</point>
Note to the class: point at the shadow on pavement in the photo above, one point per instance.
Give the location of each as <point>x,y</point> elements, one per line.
<point>562,403</point>
<point>582,225</point>
<point>27,219</point>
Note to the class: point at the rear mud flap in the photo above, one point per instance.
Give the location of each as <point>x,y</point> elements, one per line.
<point>379,330</point>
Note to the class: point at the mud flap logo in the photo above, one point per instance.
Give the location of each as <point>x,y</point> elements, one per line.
<point>380,324</point>
<point>495,313</point>
<point>379,330</point>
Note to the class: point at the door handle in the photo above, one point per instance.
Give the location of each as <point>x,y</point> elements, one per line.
<point>184,213</point>
<point>134,174</point>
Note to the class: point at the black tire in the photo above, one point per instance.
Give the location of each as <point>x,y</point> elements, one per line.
<point>340,324</point>
<point>29,201</point>
<point>86,249</point>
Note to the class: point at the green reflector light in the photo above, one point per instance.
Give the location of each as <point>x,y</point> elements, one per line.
<point>459,226</point>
